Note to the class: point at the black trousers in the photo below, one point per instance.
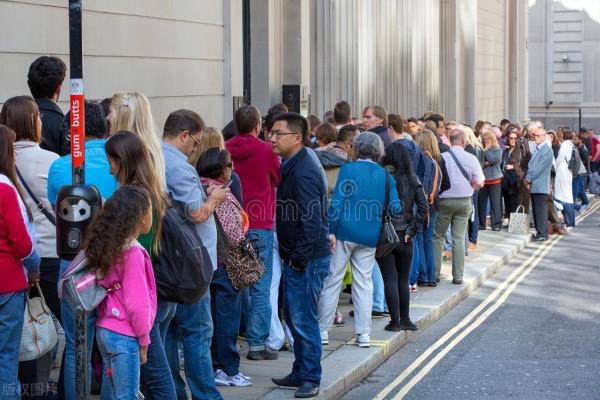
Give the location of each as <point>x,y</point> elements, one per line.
<point>511,202</point>
<point>539,205</point>
<point>395,268</point>
<point>494,193</point>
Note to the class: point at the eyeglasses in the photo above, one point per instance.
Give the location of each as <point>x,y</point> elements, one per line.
<point>278,134</point>
<point>512,138</point>
<point>195,140</point>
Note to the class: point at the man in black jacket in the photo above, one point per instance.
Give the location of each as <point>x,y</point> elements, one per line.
<point>45,77</point>
<point>302,231</point>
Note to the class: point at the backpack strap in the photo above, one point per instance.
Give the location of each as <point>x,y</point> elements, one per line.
<point>40,206</point>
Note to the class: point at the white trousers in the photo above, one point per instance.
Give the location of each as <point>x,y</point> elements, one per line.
<point>362,259</point>
<point>276,333</point>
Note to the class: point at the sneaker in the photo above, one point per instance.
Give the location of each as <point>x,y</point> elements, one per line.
<point>363,340</point>
<point>221,378</point>
<point>413,288</point>
<point>307,390</point>
<point>239,380</point>
<point>447,256</point>
<point>266,354</point>
<point>289,380</point>
<point>324,338</point>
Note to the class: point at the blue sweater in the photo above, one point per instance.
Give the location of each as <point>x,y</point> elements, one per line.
<point>356,207</point>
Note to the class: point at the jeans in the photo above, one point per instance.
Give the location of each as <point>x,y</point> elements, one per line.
<point>579,191</point>
<point>301,299</point>
<point>193,327</point>
<point>473,225</point>
<point>12,308</point>
<point>417,264</point>
<point>378,290</point>
<point>494,194</point>
<point>120,365</point>
<point>454,212</point>
<point>258,323</point>
<point>68,324</point>
<point>429,273</point>
<point>569,212</point>
<point>156,379</point>
<point>226,306</point>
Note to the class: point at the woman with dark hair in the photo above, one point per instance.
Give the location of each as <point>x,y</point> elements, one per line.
<point>15,244</point>
<point>512,172</point>
<point>395,266</point>
<point>130,164</point>
<point>215,167</point>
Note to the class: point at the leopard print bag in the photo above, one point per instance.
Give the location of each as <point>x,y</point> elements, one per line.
<point>244,267</point>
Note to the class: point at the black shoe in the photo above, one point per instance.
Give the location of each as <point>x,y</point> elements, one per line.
<point>457,281</point>
<point>408,326</point>
<point>266,354</point>
<point>539,238</point>
<point>421,283</point>
<point>287,381</point>
<point>496,229</point>
<point>432,284</point>
<point>307,390</point>
<point>437,280</point>
<point>393,327</point>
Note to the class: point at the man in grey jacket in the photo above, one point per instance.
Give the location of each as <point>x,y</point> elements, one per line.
<point>537,181</point>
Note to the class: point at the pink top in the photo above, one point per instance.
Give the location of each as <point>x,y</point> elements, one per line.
<point>130,309</point>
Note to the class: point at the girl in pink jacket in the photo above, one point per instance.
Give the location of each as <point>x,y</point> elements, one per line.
<point>126,315</point>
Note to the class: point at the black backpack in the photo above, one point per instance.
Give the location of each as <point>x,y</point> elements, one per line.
<point>183,269</point>
<point>575,162</point>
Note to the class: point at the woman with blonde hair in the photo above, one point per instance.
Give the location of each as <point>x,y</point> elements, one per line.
<point>427,141</point>
<point>474,147</point>
<point>492,188</point>
<point>130,111</point>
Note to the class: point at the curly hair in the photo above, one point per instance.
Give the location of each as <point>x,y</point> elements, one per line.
<point>115,226</point>
<point>45,75</point>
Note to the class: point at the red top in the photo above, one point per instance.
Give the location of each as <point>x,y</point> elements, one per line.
<point>15,243</point>
<point>258,168</point>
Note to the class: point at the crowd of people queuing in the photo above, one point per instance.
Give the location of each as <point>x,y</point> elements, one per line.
<point>310,194</point>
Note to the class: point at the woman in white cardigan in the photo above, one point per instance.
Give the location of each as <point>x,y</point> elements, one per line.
<point>563,182</point>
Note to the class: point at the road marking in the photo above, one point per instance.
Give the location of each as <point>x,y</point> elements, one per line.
<point>523,271</point>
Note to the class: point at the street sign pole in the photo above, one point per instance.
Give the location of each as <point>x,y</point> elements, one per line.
<point>77,131</point>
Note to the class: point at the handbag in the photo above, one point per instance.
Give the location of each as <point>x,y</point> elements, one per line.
<point>244,267</point>
<point>519,221</point>
<point>388,238</point>
<point>39,332</point>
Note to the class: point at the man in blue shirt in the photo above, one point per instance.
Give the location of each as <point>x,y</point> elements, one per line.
<point>302,232</point>
<point>192,324</point>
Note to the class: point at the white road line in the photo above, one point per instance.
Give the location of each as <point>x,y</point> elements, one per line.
<point>527,266</point>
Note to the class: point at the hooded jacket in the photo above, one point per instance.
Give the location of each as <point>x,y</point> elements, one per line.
<point>259,171</point>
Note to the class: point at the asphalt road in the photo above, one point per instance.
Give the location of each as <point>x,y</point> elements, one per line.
<point>542,342</point>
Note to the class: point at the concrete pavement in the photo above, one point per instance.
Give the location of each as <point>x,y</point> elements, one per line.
<point>344,364</point>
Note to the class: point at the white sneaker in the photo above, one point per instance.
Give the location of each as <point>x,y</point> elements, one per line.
<point>363,340</point>
<point>239,380</point>
<point>221,378</point>
<point>324,338</point>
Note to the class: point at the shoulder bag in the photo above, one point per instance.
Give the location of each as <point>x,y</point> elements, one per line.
<point>388,238</point>
<point>39,332</point>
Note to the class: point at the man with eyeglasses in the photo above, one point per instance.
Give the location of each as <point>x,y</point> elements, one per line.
<point>302,232</point>
<point>258,169</point>
<point>537,181</point>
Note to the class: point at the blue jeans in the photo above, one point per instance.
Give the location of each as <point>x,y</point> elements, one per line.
<point>68,323</point>
<point>378,290</point>
<point>226,306</point>
<point>429,273</point>
<point>156,379</point>
<point>301,299</point>
<point>258,323</point>
<point>474,224</point>
<point>569,212</point>
<point>579,191</point>
<point>192,326</point>
<point>417,266</point>
<point>120,365</point>
<point>12,308</point>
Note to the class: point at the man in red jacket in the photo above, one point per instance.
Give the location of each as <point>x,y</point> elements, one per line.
<point>258,169</point>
